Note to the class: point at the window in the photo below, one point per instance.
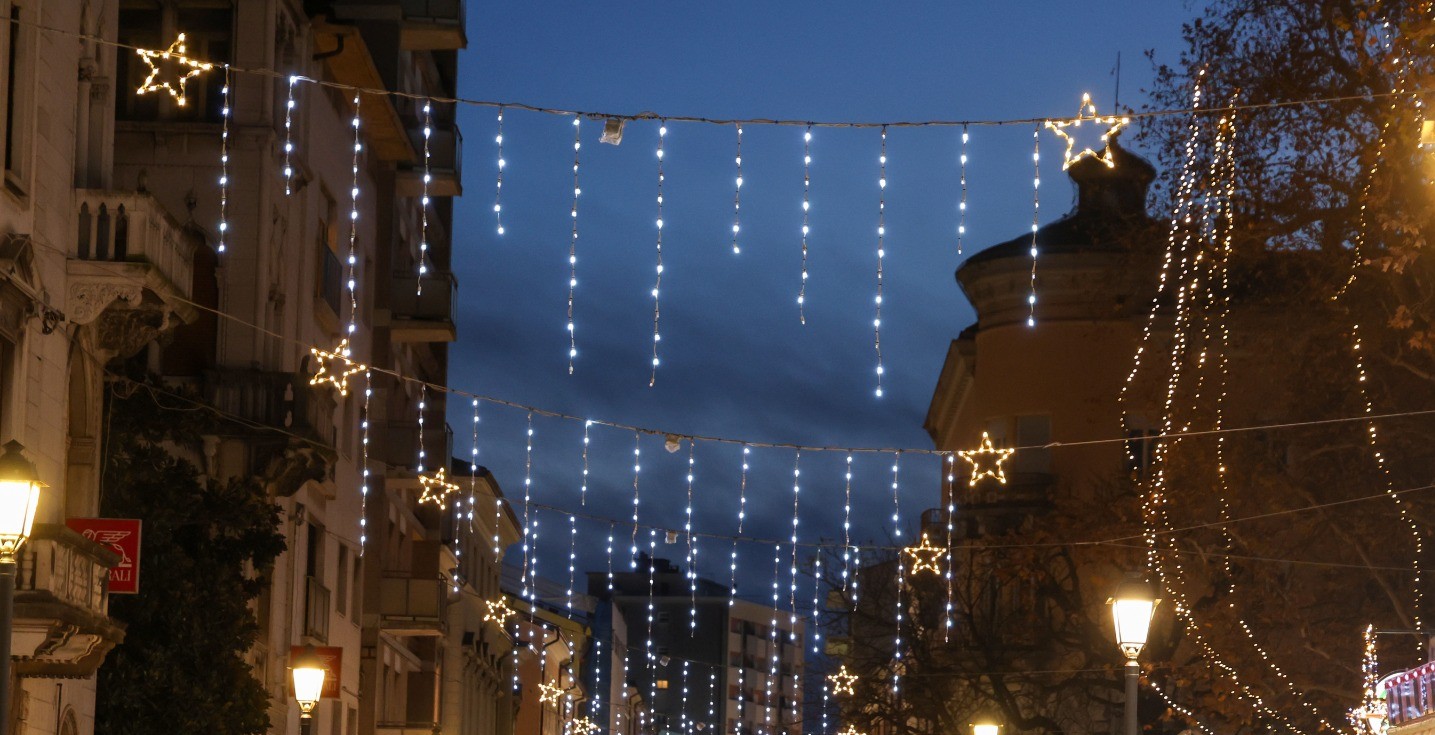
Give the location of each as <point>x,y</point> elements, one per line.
<point>1033,432</point>
<point>208,32</point>
<point>341,582</point>
<point>662,683</point>
<point>19,93</point>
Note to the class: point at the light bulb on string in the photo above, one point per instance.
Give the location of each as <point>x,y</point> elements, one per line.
<point>572,560</point>
<point>1035,221</point>
<point>792,587</point>
<point>737,195</point>
<point>637,470</point>
<point>527,498</point>
<point>688,531</point>
<point>847,525</point>
<point>658,276</point>
<point>951,515</point>
<point>901,578</point>
<point>772,642</point>
<point>353,260</point>
<point>881,255</point>
<point>364,463</point>
<point>962,206</point>
<point>422,264</point>
<point>289,105</point>
<point>573,246</point>
<point>806,222</point>
<point>473,473</point>
<point>224,115</point>
<point>741,513</point>
<point>423,404</point>
<point>583,489</point>
<point>498,187</point>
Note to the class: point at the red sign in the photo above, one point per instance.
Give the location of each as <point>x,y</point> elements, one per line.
<point>333,658</point>
<point>122,536</point>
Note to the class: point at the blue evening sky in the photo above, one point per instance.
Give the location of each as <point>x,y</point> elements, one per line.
<point>736,362</point>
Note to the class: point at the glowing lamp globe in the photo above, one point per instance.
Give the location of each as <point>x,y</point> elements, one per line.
<point>986,728</point>
<point>308,671</point>
<point>19,498</point>
<point>1131,609</point>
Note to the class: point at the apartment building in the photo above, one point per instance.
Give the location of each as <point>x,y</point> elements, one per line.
<point>698,660</point>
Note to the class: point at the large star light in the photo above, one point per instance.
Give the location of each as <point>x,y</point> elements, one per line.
<point>172,56</point>
<point>1087,114</point>
<point>926,557</point>
<point>986,461</point>
<point>843,681</point>
<point>328,369</point>
<point>436,488</point>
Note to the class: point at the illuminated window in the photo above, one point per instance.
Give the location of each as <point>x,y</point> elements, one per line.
<point>662,683</point>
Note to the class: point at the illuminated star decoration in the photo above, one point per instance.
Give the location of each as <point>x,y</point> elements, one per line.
<point>925,556</point>
<point>174,55</point>
<point>327,365</point>
<point>843,681</point>
<point>1087,113</point>
<point>582,726</point>
<point>549,693</point>
<point>986,461</point>
<point>498,611</point>
<point>436,488</point>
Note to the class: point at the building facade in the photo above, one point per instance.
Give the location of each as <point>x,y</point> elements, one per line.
<point>700,660</point>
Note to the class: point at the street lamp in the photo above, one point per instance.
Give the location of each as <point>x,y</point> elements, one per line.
<point>1131,609</point>
<point>19,497</point>
<point>986,727</point>
<point>308,685</point>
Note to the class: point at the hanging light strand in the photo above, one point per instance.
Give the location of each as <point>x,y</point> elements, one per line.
<point>637,470</point>
<point>741,514</point>
<point>1035,220</point>
<point>901,581</point>
<point>737,196</point>
<point>658,276</point>
<point>423,405</point>
<point>289,105</point>
<point>473,474</point>
<point>688,531</point>
<point>573,247</point>
<point>881,256</point>
<point>364,463</point>
<point>354,229</point>
<point>806,228</point>
<point>583,489</point>
<point>847,525</point>
<point>423,267</point>
<point>224,114</point>
<point>962,205</point>
<point>527,499</point>
<point>498,187</point>
<point>792,588</point>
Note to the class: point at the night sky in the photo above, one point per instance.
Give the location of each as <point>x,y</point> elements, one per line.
<point>736,362</point>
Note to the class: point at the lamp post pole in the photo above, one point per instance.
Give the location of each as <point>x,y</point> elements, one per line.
<point>1131,610</point>
<point>19,498</point>
<point>1133,677</point>
<point>7,615</point>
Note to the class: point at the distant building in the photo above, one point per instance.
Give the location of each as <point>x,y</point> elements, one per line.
<point>552,635</point>
<point>702,661</point>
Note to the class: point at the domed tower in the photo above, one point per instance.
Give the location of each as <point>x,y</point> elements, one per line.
<point>1060,379</point>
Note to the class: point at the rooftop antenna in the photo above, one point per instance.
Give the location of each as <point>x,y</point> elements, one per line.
<point>1116,104</point>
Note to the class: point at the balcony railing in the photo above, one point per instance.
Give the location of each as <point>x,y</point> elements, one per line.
<point>61,621</point>
<point>272,399</point>
<point>445,162</point>
<point>429,316</point>
<point>433,25</point>
<point>410,606</point>
<point>316,609</point>
<point>132,227</point>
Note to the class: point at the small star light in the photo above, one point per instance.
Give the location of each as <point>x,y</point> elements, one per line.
<point>498,611</point>
<point>549,693</point>
<point>328,370</point>
<point>582,726</point>
<point>986,461</point>
<point>1087,113</point>
<point>436,488</point>
<point>175,55</point>
<point>925,556</point>
<point>843,681</point>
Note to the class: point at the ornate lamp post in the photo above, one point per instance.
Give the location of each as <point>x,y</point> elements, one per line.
<point>1131,609</point>
<point>308,671</point>
<point>19,497</point>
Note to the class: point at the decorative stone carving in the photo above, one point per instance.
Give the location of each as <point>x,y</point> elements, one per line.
<point>86,300</point>
<point>126,331</point>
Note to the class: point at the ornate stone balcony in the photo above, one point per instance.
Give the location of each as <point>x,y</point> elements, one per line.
<point>62,624</point>
<point>445,162</point>
<point>132,270</point>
